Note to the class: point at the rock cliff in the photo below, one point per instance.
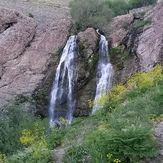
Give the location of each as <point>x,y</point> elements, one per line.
<point>141,33</point>
<point>27,52</point>
<point>30,48</point>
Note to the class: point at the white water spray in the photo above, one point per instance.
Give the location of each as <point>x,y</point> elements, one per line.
<point>104,73</point>
<point>62,101</point>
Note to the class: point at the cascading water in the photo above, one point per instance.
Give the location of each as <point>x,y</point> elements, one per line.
<point>62,101</point>
<point>104,73</point>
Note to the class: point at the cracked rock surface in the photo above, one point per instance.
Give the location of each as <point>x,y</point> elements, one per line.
<point>26,50</point>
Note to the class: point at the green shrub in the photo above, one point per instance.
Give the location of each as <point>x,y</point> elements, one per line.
<point>119,7</point>
<point>32,155</point>
<point>54,138</point>
<point>12,120</point>
<point>140,3</point>
<point>142,81</point>
<point>96,144</point>
<point>139,24</point>
<point>122,130</point>
<point>90,13</point>
<point>132,143</point>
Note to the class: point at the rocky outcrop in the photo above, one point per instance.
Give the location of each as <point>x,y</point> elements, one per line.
<point>148,41</point>
<point>159,134</point>
<point>26,52</point>
<point>119,30</point>
<point>88,41</point>
<point>142,37</point>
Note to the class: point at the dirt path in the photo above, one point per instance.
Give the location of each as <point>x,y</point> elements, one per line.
<point>59,153</point>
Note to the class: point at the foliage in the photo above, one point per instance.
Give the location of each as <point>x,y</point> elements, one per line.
<point>96,13</point>
<point>122,130</point>
<point>58,52</point>
<point>33,155</point>
<point>90,13</point>
<point>113,98</point>
<point>140,3</point>
<point>119,7</point>
<point>23,137</point>
<point>36,145</point>
<point>140,23</point>
<point>54,138</point>
<point>96,144</point>
<point>119,55</point>
<point>12,121</point>
<point>132,143</point>
<point>141,81</point>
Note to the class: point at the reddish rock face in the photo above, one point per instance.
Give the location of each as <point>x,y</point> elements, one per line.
<point>88,39</point>
<point>118,29</point>
<point>26,52</point>
<point>150,42</point>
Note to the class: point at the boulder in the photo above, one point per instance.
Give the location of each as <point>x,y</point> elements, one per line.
<point>86,82</point>
<point>87,42</point>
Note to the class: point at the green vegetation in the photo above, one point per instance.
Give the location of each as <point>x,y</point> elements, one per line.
<point>122,131</point>
<point>90,13</point>
<point>31,15</point>
<point>23,136</point>
<point>139,24</point>
<point>58,52</point>
<point>119,55</point>
<point>96,13</point>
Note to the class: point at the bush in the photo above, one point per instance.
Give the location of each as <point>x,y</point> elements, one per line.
<point>140,3</point>
<point>122,130</point>
<point>118,7</point>
<point>90,13</point>
<point>132,143</point>
<point>12,120</point>
<point>96,144</point>
<point>142,81</point>
<point>139,24</point>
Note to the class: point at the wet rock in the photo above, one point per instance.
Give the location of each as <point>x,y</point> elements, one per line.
<point>88,42</point>
<point>86,70</point>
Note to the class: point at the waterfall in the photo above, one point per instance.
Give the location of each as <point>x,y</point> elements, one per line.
<point>62,100</point>
<point>104,73</point>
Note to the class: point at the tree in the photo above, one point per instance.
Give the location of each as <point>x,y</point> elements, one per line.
<point>90,13</point>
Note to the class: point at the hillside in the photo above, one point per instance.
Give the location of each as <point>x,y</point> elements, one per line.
<point>42,10</point>
<point>81,83</point>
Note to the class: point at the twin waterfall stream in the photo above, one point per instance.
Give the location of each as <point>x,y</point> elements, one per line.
<point>63,98</point>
